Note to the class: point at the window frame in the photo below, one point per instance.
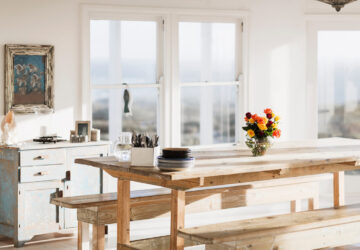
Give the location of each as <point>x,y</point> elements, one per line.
<point>314,24</point>
<point>238,70</point>
<point>169,125</point>
<point>159,67</point>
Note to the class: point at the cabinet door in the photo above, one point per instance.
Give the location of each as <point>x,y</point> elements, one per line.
<point>36,214</point>
<point>84,179</point>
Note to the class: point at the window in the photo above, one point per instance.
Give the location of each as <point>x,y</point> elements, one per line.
<point>182,73</point>
<point>120,59</point>
<point>338,84</point>
<point>207,72</point>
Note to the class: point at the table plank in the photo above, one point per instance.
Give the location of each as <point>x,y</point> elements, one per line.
<point>238,161</point>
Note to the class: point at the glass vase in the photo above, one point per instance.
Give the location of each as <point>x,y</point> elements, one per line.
<point>122,147</point>
<point>258,146</point>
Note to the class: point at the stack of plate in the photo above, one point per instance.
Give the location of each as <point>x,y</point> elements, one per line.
<point>176,159</point>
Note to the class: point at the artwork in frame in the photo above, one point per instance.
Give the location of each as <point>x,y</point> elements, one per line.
<point>29,78</point>
<point>83,128</point>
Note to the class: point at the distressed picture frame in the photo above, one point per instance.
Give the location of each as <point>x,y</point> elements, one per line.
<point>29,78</point>
<point>83,128</point>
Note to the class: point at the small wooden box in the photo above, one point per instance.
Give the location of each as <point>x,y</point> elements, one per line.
<point>144,157</point>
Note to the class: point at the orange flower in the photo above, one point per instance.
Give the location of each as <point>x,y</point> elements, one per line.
<point>262,126</point>
<point>277,133</point>
<point>246,119</point>
<point>254,116</point>
<point>268,111</point>
<point>251,133</point>
<point>261,120</point>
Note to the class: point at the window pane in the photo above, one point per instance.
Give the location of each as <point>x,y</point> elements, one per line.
<point>100,112</point>
<point>99,51</point>
<point>339,84</point>
<point>138,51</point>
<point>208,115</point>
<point>207,51</point>
<point>108,106</point>
<point>123,51</point>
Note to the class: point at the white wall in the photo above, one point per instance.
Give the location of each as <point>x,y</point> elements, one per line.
<point>46,22</point>
<point>277,60</point>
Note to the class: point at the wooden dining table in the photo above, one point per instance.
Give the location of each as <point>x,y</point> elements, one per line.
<point>218,166</point>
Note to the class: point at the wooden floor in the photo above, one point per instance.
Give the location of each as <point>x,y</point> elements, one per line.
<point>157,227</point>
<point>68,242</point>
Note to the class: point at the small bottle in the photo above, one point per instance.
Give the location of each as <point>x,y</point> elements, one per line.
<point>122,148</point>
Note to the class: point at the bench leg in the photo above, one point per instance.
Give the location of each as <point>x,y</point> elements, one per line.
<point>177,219</point>
<point>98,237</point>
<point>83,236</point>
<point>339,189</point>
<point>295,206</point>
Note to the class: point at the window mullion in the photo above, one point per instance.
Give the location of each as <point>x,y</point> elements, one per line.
<point>175,84</point>
<point>115,109</point>
<point>206,105</point>
<point>241,103</point>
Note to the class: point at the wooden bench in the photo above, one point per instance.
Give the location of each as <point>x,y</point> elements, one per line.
<point>321,228</point>
<point>100,210</point>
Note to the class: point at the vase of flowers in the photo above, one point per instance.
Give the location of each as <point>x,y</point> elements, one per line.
<point>260,130</point>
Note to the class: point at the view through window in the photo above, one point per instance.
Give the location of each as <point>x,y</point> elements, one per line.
<point>128,52</point>
<point>120,54</point>
<point>339,84</point>
<point>207,54</point>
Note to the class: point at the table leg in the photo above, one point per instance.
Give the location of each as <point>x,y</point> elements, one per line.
<point>98,239</point>
<point>339,190</point>
<point>177,219</point>
<point>83,236</point>
<point>123,212</point>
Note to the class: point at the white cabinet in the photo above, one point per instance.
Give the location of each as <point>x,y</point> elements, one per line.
<point>35,214</point>
<point>84,179</point>
<point>33,173</point>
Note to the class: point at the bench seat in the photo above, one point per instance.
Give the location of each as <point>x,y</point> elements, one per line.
<point>321,228</point>
<point>96,200</point>
<point>101,209</point>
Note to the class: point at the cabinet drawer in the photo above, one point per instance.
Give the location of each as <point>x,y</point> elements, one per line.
<point>42,157</point>
<point>42,173</point>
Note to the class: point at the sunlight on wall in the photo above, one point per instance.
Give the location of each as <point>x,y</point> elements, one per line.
<point>29,126</point>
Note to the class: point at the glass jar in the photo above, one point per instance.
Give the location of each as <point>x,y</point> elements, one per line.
<point>258,146</point>
<point>122,147</point>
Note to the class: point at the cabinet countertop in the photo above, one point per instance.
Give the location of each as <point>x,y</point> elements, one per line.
<point>30,145</point>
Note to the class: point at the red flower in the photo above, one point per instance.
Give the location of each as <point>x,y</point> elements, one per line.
<point>277,133</point>
<point>248,115</point>
<point>261,133</point>
<point>268,111</point>
<point>269,115</point>
<point>269,124</point>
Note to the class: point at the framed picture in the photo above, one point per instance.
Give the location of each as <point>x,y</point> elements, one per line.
<point>29,78</point>
<point>83,128</point>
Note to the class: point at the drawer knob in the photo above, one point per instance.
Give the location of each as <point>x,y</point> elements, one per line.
<point>42,173</point>
<point>39,158</point>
